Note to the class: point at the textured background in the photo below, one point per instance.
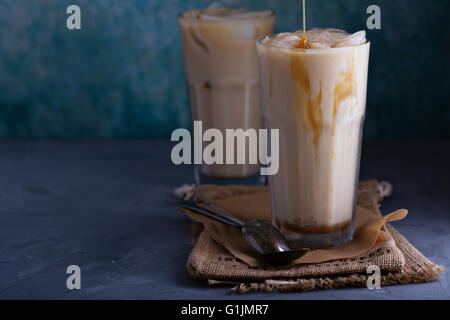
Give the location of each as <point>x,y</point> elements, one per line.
<point>121,75</point>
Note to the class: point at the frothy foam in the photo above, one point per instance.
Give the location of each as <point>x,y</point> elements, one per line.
<point>318,38</point>
<point>224,13</point>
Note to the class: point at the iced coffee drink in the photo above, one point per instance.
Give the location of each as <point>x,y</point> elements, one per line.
<point>313,88</point>
<point>221,69</point>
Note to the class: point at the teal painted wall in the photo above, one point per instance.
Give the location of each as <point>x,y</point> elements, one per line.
<point>121,76</point>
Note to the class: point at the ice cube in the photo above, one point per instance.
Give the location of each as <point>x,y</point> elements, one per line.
<point>289,41</point>
<point>320,40</point>
<point>319,45</point>
<point>352,40</point>
<point>217,13</point>
<point>252,14</point>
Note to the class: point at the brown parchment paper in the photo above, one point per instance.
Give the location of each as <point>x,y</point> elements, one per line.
<point>255,205</point>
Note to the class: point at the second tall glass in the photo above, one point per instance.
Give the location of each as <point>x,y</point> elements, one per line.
<point>221,70</point>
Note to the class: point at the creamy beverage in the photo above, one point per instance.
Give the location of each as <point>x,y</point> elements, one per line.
<point>313,88</point>
<point>221,69</point>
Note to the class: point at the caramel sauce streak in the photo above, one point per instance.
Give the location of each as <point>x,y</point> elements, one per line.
<point>303,99</point>
<point>315,118</point>
<point>304,43</point>
<point>342,90</point>
<point>198,40</point>
<point>304,18</point>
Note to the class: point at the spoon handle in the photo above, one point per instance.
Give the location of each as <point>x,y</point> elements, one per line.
<point>220,211</point>
<point>212,211</point>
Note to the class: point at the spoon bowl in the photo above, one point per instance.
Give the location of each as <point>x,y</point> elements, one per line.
<point>262,235</point>
<point>270,242</point>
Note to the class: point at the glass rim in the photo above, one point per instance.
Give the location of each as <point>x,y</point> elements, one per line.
<point>260,43</point>
<point>272,14</point>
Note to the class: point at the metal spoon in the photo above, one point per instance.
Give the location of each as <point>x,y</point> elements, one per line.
<point>263,236</point>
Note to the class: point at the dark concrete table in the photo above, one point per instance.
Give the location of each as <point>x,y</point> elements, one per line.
<point>100,205</point>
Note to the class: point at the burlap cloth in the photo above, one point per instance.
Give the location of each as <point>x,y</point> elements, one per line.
<point>223,258</point>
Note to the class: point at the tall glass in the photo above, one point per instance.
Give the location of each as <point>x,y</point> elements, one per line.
<point>221,70</point>
<point>317,99</point>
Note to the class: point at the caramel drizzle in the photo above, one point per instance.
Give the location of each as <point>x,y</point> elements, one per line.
<point>315,119</point>
<point>342,90</point>
<point>304,18</point>
<point>304,43</point>
<point>198,40</point>
<point>302,90</point>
